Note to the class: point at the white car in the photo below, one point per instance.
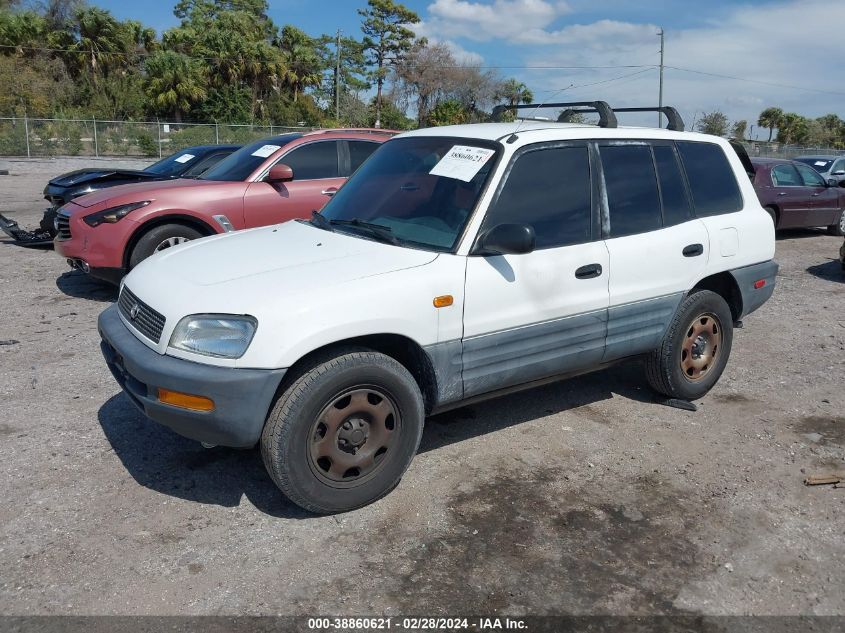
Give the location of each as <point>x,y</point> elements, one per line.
<point>458,262</point>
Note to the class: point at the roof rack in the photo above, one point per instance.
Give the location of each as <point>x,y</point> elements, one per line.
<point>605,112</point>
<point>607,115</point>
<point>676,123</point>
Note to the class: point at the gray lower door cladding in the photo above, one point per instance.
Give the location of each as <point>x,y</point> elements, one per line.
<point>511,357</point>
<point>446,360</point>
<point>636,328</point>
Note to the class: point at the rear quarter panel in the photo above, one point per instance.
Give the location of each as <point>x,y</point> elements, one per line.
<point>744,237</point>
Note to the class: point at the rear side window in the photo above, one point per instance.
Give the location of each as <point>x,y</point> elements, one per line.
<point>359,151</point>
<point>632,196</point>
<point>673,191</point>
<point>711,179</point>
<point>548,189</point>
<point>785,176</point>
<point>312,161</point>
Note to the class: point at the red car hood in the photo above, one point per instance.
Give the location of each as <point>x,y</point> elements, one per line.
<point>124,194</point>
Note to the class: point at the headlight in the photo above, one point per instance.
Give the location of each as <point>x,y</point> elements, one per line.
<point>218,335</point>
<point>113,214</point>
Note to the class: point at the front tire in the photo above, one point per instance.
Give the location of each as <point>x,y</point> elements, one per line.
<point>344,432</point>
<point>838,229</point>
<point>160,238</point>
<point>695,348</point>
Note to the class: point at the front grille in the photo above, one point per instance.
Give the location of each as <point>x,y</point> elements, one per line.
<point>63,227</point>
<point>146,320</point>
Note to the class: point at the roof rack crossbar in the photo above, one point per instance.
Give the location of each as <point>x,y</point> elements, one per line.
<point>605,112</point>
<point>676,123</point>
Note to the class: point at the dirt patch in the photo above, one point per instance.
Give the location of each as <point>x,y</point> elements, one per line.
<point>532,542</point>
<point>732,398</point>
<point>823,429</point>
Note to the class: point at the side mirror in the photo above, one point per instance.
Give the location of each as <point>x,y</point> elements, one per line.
<point>506,239</point>
<point>831,182</point>
<point>280,173</point>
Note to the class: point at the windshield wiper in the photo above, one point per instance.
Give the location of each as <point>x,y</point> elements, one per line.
<point>321,221</point>
<point>378,231</point>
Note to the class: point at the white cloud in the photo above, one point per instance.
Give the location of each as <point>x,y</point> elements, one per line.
<point>462,55</point>
<point>503,19</point>
<point>788,43</point>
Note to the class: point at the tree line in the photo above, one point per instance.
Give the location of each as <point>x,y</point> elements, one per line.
<point>792,128</point>
<point>227,61</point>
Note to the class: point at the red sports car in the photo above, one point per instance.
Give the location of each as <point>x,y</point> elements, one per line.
<point>795,195</point>
<point>108,232</point>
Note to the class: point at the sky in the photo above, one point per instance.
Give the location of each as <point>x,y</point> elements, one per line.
<point>737,57</point>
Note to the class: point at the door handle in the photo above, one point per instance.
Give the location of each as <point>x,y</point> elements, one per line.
<point>782,193</point>
<point>693,250</point>
<point>409,186</point>
<point>816,195</point>
<point>329,192</point>
<point>588,272</point>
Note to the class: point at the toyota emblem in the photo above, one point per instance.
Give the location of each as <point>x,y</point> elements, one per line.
<point>133,311</point>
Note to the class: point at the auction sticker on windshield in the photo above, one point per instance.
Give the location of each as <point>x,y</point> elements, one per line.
<point>462,162</point>
<point>184,158</point>
<point>265,150</point>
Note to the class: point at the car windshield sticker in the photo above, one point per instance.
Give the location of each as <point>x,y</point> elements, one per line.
<point>462,162</point>
<point>821,163</point>
<point>184,158</point>
<point>265,150</point>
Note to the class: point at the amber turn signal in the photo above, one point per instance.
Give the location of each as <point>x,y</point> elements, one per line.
<point>443,301</point>
<point>185,400</point>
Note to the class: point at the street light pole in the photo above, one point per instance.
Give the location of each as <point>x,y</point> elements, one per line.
<point>660,96</point>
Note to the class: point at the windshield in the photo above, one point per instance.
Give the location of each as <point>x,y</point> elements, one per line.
<point>175,164</point>
<point>819,164</point>
<point>240,164</point>
<point>421,189</point>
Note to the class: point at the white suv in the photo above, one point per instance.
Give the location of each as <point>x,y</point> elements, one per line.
<point>458,262</point>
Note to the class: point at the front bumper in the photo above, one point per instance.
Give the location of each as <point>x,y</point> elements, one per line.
<point>242,397</point>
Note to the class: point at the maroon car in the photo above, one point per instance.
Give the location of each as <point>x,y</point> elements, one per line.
<point>795,195</point>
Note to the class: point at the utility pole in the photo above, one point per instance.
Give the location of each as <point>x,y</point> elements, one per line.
<point>660,96</point>
<point>337,82</point>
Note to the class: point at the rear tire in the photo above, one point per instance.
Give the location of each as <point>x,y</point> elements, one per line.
<point>695,348</point>
<point>160,238</point>
<point>344,432</point>
<point>838,229</point>
<point>773,214</point>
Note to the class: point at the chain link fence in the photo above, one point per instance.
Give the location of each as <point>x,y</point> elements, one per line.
<point>22,136</point>
<point>778,150</point>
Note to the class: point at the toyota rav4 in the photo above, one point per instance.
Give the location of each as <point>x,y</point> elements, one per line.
<point>457,263</point>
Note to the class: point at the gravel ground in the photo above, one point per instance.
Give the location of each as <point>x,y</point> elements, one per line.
<point>583,497</point>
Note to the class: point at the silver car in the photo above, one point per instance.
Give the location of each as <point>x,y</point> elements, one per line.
<point>830,167</point>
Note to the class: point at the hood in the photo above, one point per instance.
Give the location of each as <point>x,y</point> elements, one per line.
<point>268,270</point>
<point>124,194</point>
<point>293,255</point>
<point>90,176</point>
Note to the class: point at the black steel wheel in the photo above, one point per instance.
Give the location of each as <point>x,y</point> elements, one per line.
<point>343,431</point>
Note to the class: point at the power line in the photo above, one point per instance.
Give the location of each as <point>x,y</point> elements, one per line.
<point>756,81</point>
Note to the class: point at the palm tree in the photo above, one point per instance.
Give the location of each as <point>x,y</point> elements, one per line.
<point>770,118</point>
<point>303,64</point>
<point>101,36</point>
<point>175,82</point>
<point>515,92</point>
